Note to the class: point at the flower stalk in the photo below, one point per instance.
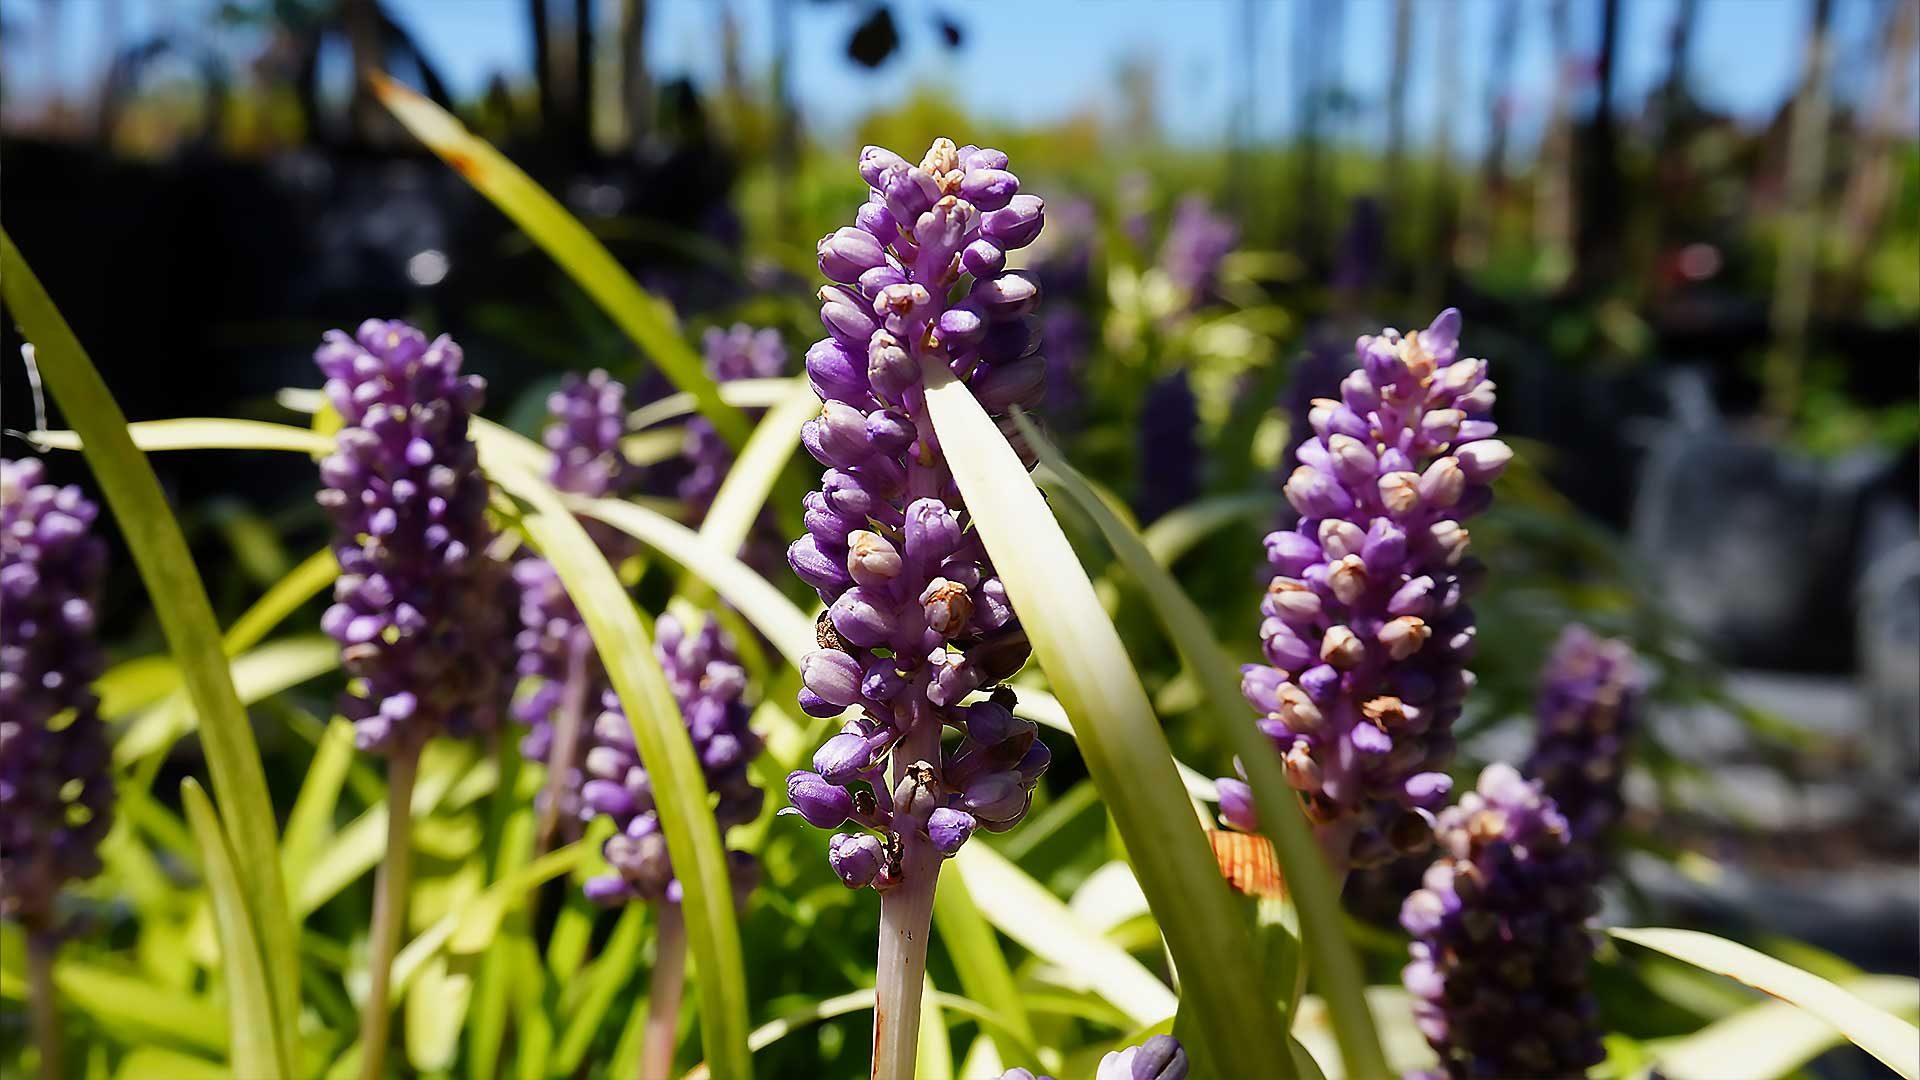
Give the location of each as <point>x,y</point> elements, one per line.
<point>389,909</point>
<point>665,988</point>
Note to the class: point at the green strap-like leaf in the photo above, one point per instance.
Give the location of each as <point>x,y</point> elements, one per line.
<point>256,1047</point>
<point>1336,968</point>
<point>643,317</point>
<point>660,734</point>
<point>1126,752</point>
<point>186,618</point>
<point>1880,1033</point>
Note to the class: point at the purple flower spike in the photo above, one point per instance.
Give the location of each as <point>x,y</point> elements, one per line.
<point>916,619</point>
<point>421,610</point>
<point>586,419</point>
<point>1501,948</point>
<point>1197,242</point>
<point>739,352</point>
<point>709,685</point>
<point>56,784</point>
<point>1365,629</point>
<point>1589,705</point>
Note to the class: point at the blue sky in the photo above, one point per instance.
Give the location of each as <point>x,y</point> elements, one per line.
<point>1048,59</point>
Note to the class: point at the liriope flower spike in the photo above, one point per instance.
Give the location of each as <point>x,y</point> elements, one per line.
<point>56,784</point>
<point>421,610</point>
<point>916,618</point>
<point>1366,632</point>
<point>1501,948</point>
<point>1588,707</point>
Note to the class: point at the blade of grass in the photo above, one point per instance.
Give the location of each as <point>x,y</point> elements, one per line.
<point>1026,912</point>
<point>1126,752</point>
<point>1880,1033</point>
<point>607,976</point>
<point>975,951</point>
<point>643,317</point>
<point>740,393</point>
<point>680,789</point>
<point>1336,969</point>
<point>197,433</point>
<point>1175,534</point>
<point>311,821</point>
<point>1772,1038</point>
<point>860,1001</point>
<point>186,618</point>
<point>256,1049</point>
<point>743,493</point>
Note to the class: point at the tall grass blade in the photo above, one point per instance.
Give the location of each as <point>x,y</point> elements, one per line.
<point>1336,969</point>
<point>186,618</point>
<point>257,1047</point>
<point>1126,752</point>
<point>1880,1033</point>
<point>1026,912</point>
<point>680,789</point>
<point>645,318</point>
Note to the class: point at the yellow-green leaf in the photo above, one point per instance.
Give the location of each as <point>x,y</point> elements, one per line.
<point>1880,1033</point>
<point>1125,750</point>
<point>254,1032</point>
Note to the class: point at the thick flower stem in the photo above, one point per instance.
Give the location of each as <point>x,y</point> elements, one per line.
<point>663,995</point>
<point>567,722</point>
<point>46,1007</point>
<point>906,918</point>
<point>389,906</point>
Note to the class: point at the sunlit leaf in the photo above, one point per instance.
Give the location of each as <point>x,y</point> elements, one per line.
<point>174,589</point>
<point>260,674</point>
<point>1026,912</point>
<point>679,787</point>
<point>858,1001</point>
<point>1773,1038</point>
<point>643,317</point>
<point>1336,970</point>
<point>975,951</point>
<point>207,434</point>
<point>1120,738</point>
<point>256,1048</point>
<point>1880,1033</point>
<point>479,921</point>
<point>740,393</point>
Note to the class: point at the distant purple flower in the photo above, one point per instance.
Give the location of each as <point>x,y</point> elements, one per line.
<point>1170,458</point>
<point>916,618</point>
<point>586,419</point>
<point>56,782</point>
<point>1198,240</point>
<point>740,352</point>
<point>1501,948</point>
<point>1366,634</point>
<point>420,609</point>
<point>1588,707</point>
<point>709,684</point>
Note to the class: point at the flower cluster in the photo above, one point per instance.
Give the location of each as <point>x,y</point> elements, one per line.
<point>586,420</point>
<point>916,618</point>
<point>737,353</point>
<point>1366,634</point>
<point>708,683</point>
<point>1589,701</point>
<point>1170,458</point>
<point>56,786</point>
<point>421,609</point>
<point>1159,1058</point>
<point>1501,948</point>
<point>1197,242</point>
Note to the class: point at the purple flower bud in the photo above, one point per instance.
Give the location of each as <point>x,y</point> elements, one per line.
<point>1018,224</point>
<point>862,618</point>
<point>1236,804</point>
<point>816,567</point>
<point>1005,298</point>
<point>855,857</point>
<point>1021,382</point>
<point>948,829</point>
<point>841,759</point>
<point>846,253</point>
<point>833,372</point>
<point>983,258</point>
<point>833,675</point>
<point>823,805</point>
